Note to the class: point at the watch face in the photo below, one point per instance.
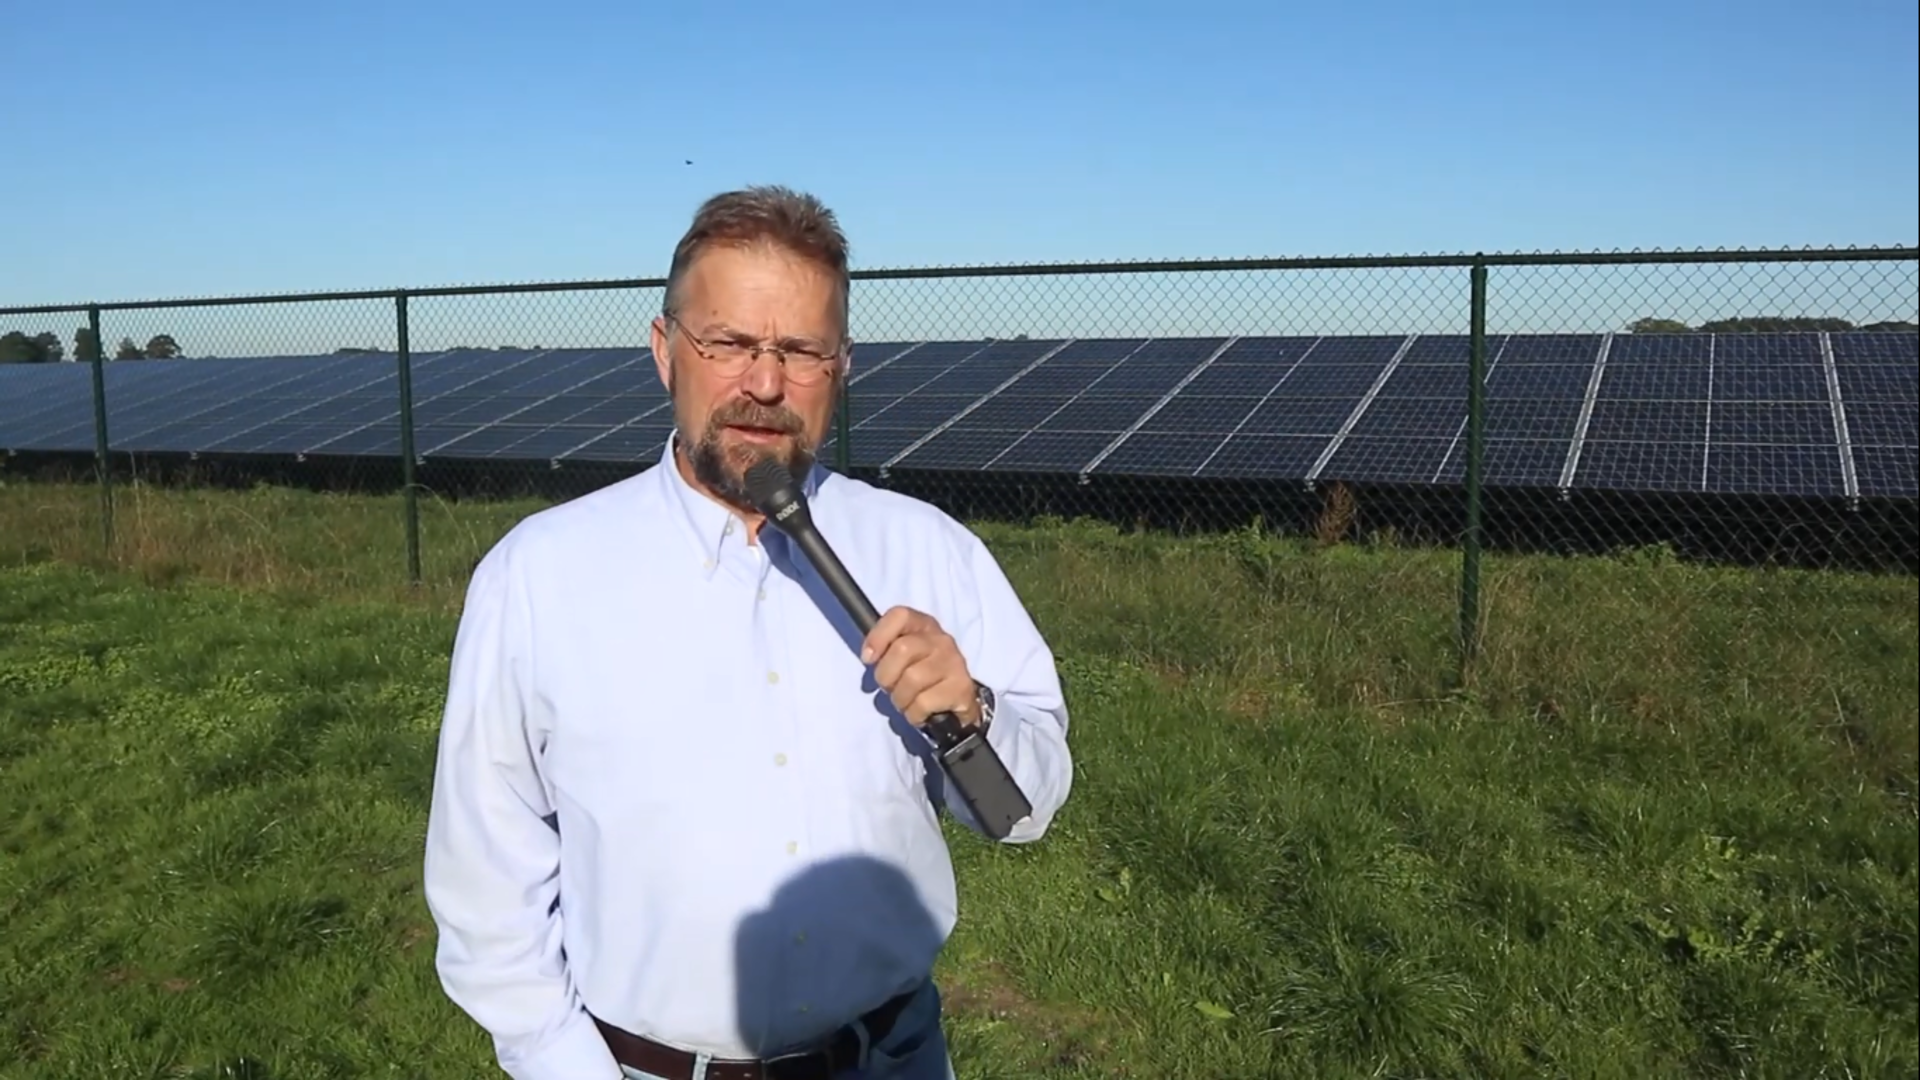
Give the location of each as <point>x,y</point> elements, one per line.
<point>985,696</point>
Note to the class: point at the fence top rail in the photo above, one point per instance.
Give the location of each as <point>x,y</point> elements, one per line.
<point>1652,257</point>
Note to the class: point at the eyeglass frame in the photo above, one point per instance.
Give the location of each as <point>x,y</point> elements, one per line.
<point>706,350</point>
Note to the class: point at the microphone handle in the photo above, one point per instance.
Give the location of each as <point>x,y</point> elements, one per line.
<point>839,582</point>
<point>984,783</point>
<point>944,727</point>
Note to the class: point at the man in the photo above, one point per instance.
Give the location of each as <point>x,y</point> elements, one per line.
<point>683,823</point>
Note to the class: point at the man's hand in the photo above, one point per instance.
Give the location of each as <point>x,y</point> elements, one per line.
<point>920,667</point>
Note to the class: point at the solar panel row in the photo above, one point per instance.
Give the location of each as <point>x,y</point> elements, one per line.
<point>1788,413</point>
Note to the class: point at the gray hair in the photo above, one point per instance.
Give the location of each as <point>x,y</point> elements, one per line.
<point>766,214</point>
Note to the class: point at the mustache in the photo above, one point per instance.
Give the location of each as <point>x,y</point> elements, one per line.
<point>749,414</point>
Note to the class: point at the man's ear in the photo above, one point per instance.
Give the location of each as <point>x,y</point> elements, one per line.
<point>662,360</point>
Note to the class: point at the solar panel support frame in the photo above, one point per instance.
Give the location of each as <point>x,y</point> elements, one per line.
<point>1086,471</point>
<point>1579,440</point>
<point>1706,440</point>
<point>972,405</point>
<point>1359,410</point>
<point>1850,483</point>
<point>1460,430</point>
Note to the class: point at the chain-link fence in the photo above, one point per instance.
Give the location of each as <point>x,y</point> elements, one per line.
<point>1749,406</point>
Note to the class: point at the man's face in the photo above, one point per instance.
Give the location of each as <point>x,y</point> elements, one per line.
<point>729,420</point>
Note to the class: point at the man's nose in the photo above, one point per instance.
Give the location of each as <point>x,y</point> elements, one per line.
<point>765,378</point>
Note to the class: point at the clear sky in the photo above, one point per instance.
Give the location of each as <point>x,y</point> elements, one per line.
<point>214,146</point>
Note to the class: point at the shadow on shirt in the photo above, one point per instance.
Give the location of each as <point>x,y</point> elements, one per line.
<point>789,561</point>
<point>838,940</point>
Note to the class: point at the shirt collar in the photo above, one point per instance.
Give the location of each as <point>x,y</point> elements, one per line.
<point>707,524</point>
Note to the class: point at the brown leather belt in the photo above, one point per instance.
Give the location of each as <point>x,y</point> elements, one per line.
<point>840,1054</point>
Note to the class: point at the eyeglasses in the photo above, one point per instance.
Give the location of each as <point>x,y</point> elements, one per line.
<point>731,358</point>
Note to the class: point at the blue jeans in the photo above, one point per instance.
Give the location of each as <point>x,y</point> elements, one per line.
<point>916,1048</point>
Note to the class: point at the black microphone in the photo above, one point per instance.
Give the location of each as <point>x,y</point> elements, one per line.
<point>983,781</point>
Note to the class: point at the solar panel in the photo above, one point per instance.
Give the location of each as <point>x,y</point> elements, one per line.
<point>627,421</point>
<point>1535,388</point>
<point>1196,403</point>
<point>1647,429</point>
<point>1886,471</point>
<point>65,420</point>
<point>1877,376</point>
<point>1878,424</point>
<point>1771,419</point>
<point>1801,414</point>
<point>50,397</point>
<point>612,392</point>
<point>277,418</point>
<point>917,394</point>
<point>637,442</point>
<point>1334,389</point>
<point>45,400</point>
<point>984,428</point>
<point>473,409</point>
<point>226,395</point>
<point>1263,457</point>
<point>1869,347</point>
<point>376,437</point>
<point>1071,434</point>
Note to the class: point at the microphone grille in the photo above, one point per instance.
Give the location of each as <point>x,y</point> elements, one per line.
<point>769,485</point>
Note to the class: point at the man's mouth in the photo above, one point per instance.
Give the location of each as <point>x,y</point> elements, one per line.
<point>758,432</point>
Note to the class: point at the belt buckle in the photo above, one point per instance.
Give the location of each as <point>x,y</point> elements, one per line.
<point>770,1066</point>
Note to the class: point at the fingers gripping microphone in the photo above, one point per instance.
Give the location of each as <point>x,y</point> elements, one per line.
<point>982,780</point>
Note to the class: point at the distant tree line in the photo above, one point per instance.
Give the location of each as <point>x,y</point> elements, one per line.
<point>47,348</point>
<point>1760,324</point>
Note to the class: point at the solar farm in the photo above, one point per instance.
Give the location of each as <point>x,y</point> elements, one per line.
<point>1592,755</point>
<point>1809,416</point>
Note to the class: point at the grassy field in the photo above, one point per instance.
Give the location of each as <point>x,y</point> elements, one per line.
<point>1668,830</point>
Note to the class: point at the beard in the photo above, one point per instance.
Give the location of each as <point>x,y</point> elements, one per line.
<point>722,468</point>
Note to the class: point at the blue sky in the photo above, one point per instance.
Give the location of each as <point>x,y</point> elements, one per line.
<point>222,147</point>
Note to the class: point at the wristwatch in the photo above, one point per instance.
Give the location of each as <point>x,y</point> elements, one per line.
<point>983,697</point>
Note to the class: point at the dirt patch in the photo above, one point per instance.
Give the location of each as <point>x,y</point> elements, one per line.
<point>414,934</point>
<point>1249,702</point>
<point>1066,1034</point>
<point>1170,675</point>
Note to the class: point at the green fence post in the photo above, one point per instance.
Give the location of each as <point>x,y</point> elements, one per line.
<point>842,430</point>
<point>409,496</point>
<point>1476,452</point>
<point>101,465</point>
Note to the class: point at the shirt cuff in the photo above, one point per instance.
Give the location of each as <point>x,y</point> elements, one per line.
<point>576,1052</point>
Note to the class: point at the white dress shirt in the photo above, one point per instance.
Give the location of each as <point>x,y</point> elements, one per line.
<point>668,793</point>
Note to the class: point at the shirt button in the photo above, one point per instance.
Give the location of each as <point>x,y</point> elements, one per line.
<point>773,676</point>
<point>779,759</point>
<point>763,594</point>
<point>800,938</point>
<point>793,846</point>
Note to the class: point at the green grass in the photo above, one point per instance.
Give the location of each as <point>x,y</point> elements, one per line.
<point>1668,830</point>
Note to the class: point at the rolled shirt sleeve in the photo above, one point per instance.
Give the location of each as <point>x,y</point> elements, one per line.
<point>1006,652</point>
